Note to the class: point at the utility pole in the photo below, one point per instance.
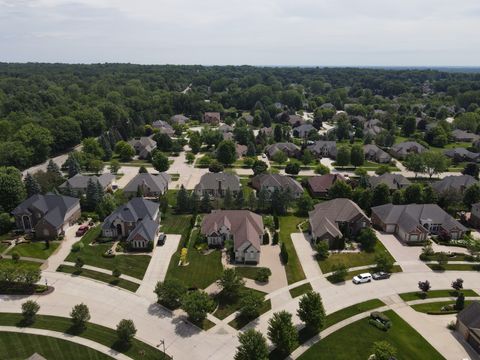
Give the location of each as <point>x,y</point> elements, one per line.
<point>162,342</point>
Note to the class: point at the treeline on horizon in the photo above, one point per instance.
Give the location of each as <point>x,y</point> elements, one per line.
<point>49,108</point>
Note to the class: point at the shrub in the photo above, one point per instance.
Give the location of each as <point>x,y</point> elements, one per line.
<point>322,250</point>
<point>126,331</point>
<point>116,273</point>
<point>275,238</point>
<point>29,310</point>
<point>77,246</point>
<point>79,263</point>
<point>284,254</point>
<point>15,256</point>
<point>339,273</point>
<point>263,274</point>
<point>266,238</point>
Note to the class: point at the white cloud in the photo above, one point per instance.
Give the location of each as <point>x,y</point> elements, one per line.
<point>301,32</point>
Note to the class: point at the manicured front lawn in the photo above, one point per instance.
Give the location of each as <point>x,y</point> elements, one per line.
<point>300,290</point>
<point>132,265</point>
<point>227,307</point>
<point>455,267</point>
<point>436,307</point>
<point>176,224</point>
<point>22,346</point>
<point>94,332</point>
<point>293,269</point>
<point>109,279</point>
<point>249,272</point>
<point>35,249</point>
<point>21,263</point>
<point>353,310</point>
<point>352,259</point>
<point>355,341</point>
<point>416,295</point>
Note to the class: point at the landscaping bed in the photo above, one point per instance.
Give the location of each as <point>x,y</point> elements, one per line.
<point>454,267</point>
<point>435,308</point>
<point>417,295</point>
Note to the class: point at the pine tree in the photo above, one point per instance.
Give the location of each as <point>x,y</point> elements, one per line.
<point>194,202</point>
<point>31,185</point>
<point>263,198</point>
<point>68,191</point>
<point>239,199</point>
<point>53,168</point>
<point>228,199</point>
<point>252,201</point>
<point>183,205</point>
<point>205,205</point>
<point>73,167</point>
<point>92,195</point>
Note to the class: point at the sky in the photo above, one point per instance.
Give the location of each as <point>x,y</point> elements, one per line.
<point>238,32</point>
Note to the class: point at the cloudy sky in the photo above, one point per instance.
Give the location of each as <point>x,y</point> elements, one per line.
<point>256,32</point>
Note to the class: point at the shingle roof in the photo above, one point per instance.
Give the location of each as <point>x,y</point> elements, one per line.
<point>136,209</point>
<point>286,147</point>
<point>454,182</point>
<point>470,316</point>
<point>374,151</point>
<point>179,119</point>
<point>393,181</point>
<point>331,147</point>
<point>54,207</point>
<point>146,228</point>
<point>244,225</point>
<point>408,146</point>
<point>324,217</point>
<point>80,181</point>
<point>462,153</point>
<point>460,135</point>
<point>157,183</point>
<point>276,181</point>
<point>324,182</point>
<point>210,181</point>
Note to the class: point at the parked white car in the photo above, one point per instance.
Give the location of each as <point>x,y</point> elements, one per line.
<point>362,278</point>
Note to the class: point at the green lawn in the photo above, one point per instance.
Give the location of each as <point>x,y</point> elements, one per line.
<point>240,322</point>
<point>109,279</point>
<point>21,263</point>
<point>35,249</point>
<point>3,247</point>
<point>455,267</point>
<point>227,307</point>
<point>352,259</point>
<point>293,269</point>
<point>94,332</point>
<point>176,224</point>
<point>300,290</point>
<point>351,274</point>
<point>353,310</point>
<point>416,295</point>
<point>21,346</point>
<point>249,272</point>
<point>355,341</point>
<point>201,271</point>
<point>436,307</point>
<point>132,265</point>
<point>247,190</point>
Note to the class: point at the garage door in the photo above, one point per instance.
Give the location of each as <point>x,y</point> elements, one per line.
<point>390,228</point>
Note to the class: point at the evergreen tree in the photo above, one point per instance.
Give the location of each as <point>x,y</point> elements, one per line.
<point>68,191</point>
<point>92,195</point>
<point>205,205</point>
<point>282,332</point>
<point>252,201</point>
<point>194,202</point>
<point>183,205</point>
<point>239,199</point>
<point>73,166</point>
<point>253,346</point>
<point>31,185</point>
<point>228,199</point>
<point>53,168</point>
<point>263,199</point>
<point>251,151</point>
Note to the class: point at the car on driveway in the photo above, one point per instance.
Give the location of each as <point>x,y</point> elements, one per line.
<point>82,230</point>
<point>381,275</point>
<point>362,278</point>
<point>161,239</point>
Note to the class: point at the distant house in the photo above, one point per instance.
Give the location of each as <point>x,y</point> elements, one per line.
<point>393,181</point>
<point>414,222</point>
<point>212,118</point>
<point>270,182</point>
<point>296,120</point>
<point>468,325</point>
<point>248,118</point>
<point>327,106</point>
<point>462,154</point>
<point>163,127</point>
<point>465,136</point>
<point>137,221</point>
<point>241,150</point>
<point>475,215</point>
<point>318,186</point>
<point>143,146</point>
<point>324,148</point>
<point>47,216</point>
<point>458,183</point>
<point>372,127</point>
<point>374,153</point>
<point>290,149</point>
<point>179,119</point>
<point>268,131</point>
<point>228,136</point>
<point>304,130</point>
<point>401,150</point>
<point>244,227</point>
<point>334,219</point>
<point>148,185</point>
<point>224,128</point>
<point>216,184</point>
<point>78,183</point>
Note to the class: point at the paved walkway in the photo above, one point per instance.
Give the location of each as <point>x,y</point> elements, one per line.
<point>75,339</point>
<point>158,266</point>
<point>57,258</point>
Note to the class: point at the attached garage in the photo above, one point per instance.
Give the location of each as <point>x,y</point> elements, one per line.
<point>390,228</point>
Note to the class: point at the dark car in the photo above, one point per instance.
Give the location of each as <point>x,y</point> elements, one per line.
<point>161,239</point>
<point>82,230</point>
<point>381,275</point>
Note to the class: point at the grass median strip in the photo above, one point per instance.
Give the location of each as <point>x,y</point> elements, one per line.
<point>417,295</point>
<point>240,322</point>
<point>435,308</point>
<point>91,274</point>
<point>455,267</point>
<point>97,333</point>
<point>300,290</point>
<point>293,268</point>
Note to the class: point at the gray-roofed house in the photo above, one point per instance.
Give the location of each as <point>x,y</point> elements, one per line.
<point>179,119</point>
<point>137,222</point>
<point>334,219</point>
<point>374,153</point>
<point>47,216</point>
<point>216,184</point>
<point>149,185</point>
<point>268,131</point>
<point>241,150</point>
<point>475,215</point>
<point>393,181</point>
<point>462,135</point>
<point>224,128</point>
<point>78,183</point>
<point>414,222</point>
<point>143,146</point>
<point>458,183</point>
<point>372,127</point>
<point>323,148</point>
<point>270,182</point>
<point>296,120</point>
<point>163,127</point>
<point>461,154</point>
<point>318,186</point>
<point>468,325</point>
<point>290,149</point>
<point>211,117</point>
<point>303,130</point>
<point>405,148</point>
<point>244,227</point>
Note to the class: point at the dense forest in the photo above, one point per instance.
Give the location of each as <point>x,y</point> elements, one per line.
<point>48,108</point>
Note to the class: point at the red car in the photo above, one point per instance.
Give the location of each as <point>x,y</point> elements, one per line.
<point>82,230</point>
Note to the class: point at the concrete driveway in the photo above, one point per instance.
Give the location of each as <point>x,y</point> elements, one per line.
<point>406,256</point>
<point>158,266</point>
<point>306,254</point>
